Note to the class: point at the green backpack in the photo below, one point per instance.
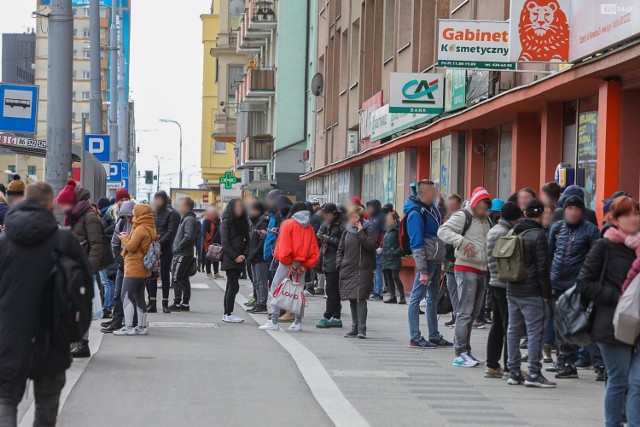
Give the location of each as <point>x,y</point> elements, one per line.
<point>509,252</point>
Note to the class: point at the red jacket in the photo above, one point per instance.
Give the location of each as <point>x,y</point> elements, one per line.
<point>297,242</point>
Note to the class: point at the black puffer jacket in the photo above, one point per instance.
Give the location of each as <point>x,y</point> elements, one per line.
<point>356,261</point>
<point>329,240</point>
<point>537,260</point>
<point>568,248</point>
<point>256,239</point>
<point>167,222</point>
<point>391,252</point>
<point>235,241</point>
<point>606,294</point>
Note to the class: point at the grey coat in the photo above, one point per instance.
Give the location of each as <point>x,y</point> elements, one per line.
<point>356,260</point>
<point>499,230</point>
<point>187,235</point>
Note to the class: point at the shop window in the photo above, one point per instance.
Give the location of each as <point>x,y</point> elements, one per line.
<point>12,169</point>
<point>31,170</point>
<point>587,154</point>
<point>504,174</point>
<point>441,164</point>
<point>400,181</point>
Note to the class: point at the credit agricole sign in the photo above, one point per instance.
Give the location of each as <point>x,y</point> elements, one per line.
<point>474,44</point>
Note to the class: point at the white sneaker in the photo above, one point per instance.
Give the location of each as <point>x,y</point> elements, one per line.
<point>470,362</point>
<point>232,318</point>
<point>307,294</point>
<point>269,326</point>
<point>218,276</point>
<point>141,330</point>
<point>295,327</point>
<point>124,331</point>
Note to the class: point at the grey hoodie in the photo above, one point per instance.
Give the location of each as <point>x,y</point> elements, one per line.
<point>303,218</point>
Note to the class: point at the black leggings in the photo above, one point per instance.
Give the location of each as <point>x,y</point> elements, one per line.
<point>392,280</point>
<point>233,286</point>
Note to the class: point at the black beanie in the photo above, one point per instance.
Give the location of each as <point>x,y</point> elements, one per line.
<point>534,208</point>
<point>510,212</point>
<point>573,201</point>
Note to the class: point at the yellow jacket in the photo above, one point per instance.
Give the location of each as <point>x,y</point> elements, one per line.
<point>136,244</point>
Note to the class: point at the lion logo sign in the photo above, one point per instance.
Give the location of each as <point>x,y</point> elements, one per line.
<point>544,32</point>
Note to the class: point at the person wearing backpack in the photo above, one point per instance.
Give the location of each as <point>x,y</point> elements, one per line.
<point>32,344</point>
<point>510,213</point>
<point>422,220</point>
<point>470,268</point>
<point>135,246</point>
<point>528,299</point>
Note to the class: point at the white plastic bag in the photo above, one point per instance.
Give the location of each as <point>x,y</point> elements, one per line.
<point>289,296</point>
<point>96,302</point>
<point>626,319</point>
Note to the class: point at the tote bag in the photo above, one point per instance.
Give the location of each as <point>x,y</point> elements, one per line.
<point>289,296</point>
<point>626,319</point>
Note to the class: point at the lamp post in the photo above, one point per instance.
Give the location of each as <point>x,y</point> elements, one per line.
<point>179,127</point>
<point>158,159</point>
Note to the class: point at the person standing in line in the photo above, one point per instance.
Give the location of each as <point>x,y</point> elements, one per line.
<point>377,220</point>
<point>207,232</point>
<point>329,239</point>
<point>423,222</point>
<point>15,190</point>
<point>296,251</point>
<point>510,213</point>
<point>234,232</point>
<point>356,261</point>
<point>108,274</point>
<point>32,346</point>
<point>391,259</point>
<point>257,233</point>
<point>525,195</point>
<point>494,212</point>
<point>528,300</point>
<point>550,193</point>
<point>574,190</point>
<point>470,268</point>
<point>452,205</point>
<point>135,246</point>
<point>183,255</point>
<point>602,277</point>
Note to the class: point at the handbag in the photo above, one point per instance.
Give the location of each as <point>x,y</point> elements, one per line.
<point>214,253</point>
<point>444,299</point>
<point>434,249</point>
<point>289,296</point>
<point>626,319</point>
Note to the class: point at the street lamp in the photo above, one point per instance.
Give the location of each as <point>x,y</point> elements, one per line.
<point>179,127</point>
<point>158,159</point>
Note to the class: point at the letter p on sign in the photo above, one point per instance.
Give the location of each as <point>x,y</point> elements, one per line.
<point>99,146</point>
<point>96,145</point>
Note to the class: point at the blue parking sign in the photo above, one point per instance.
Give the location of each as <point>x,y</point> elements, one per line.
<point>99,146</point>
<point>18,112</point>
<point>115,172</point>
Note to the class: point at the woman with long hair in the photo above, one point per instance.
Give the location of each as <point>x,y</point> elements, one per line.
<point>234,233</point>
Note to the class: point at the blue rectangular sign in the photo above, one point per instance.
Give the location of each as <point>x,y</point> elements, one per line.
<point>115,172</point>
<point>99,146</point>
<point>19,108</point>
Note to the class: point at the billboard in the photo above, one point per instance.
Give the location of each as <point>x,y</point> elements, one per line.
<point>474,44</point>
<point>366,113</point>
<point>421,93</point>
<point>455,95</point>
<point>597,24</point>
<point>539,30</point>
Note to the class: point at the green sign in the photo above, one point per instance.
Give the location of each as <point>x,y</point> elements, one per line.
<point>228,180</point>
<point>418,93</point>
<point>455,96</point>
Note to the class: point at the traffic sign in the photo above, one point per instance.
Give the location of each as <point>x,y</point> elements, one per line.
<point>99,146</point>
<point>228,180</point>
<point>19,108</point>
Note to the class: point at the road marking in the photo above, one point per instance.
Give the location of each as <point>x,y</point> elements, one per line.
<point>200,286</point>
<point>369,374</point>
<point>326,392</point>
<point>183,325</point>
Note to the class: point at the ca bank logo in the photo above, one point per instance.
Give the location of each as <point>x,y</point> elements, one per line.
<point>419,91</point>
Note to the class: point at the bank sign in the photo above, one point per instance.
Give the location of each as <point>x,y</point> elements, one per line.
<point>474,44</point>
<point>418,93</point>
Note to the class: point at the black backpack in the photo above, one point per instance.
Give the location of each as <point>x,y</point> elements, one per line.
<point>72,293</point>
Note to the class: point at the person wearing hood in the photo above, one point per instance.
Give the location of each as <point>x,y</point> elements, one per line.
<point>167,221</point>
<point>135,246</point>
<point>257,233</point>
<point>86,226</point>
<point>273,203</point>
<point>574,190</point>
<point>356,261</point>
<point>234,232</point>
<point>296,251</point>
<point>123,225</point>
<point>183,247</point>
<point>377,220</point>
<point>329,239</point>
<point>470,268</point>
<point>31,345</point>
<point>15,190</point>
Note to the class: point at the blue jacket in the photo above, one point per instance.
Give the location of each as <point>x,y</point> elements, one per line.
<point>416,224</point>
<point>568,248</point>
<point>270,238</point>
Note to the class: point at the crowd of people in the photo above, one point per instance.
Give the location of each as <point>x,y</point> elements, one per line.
<point>350,253</point>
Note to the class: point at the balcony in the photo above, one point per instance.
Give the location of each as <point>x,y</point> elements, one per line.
<point>259,84</point>
<point>255,150</point>
<point>224,128</point>
<point>262,14</point>
<point>248,42</point>
<point>225,43</point>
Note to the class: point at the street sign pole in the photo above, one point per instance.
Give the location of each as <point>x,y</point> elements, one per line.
<point>95,112</point>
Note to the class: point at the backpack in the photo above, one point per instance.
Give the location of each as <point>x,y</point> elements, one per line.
<point>72,294</point>
<point>450,250</point>
<point>405,241</point>
<point>107,251</point>
<point>151,259</point>
<point>509,252</point>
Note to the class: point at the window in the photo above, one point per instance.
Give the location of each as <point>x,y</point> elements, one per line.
<point>101,54</point>
<point>235,77</point>
<point>85,11</point>
<point>389,21</point>
<point>86,54</point>
<point>73,116</point>
<point>75,32</point>
<point>73,95</point>
<point>86,95</point>
<point>103,33</point>
<point>86,34</point>
<point>31,170</point>
<point>10,175</point>
<point>73,136</point>
<point>219,147</point>
<point>103,12</point>
<point>75,53</point>
<point>74,74</point>
<point>355,52</point>
<point>86,75</point>
<point>85,116</point>
<point>344,69</point>
<point>75,11</point>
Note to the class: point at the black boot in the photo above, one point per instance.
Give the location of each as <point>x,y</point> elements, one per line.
<point>165,306</point>
<point>81,350</point>
<point>152,306</point>
<point>113,326</point>
<point>392,300</point>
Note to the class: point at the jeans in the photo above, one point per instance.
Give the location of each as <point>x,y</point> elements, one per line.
<point>108,285</point>
<point>452,286</point>
<point>280,274</point>
<point>118,310</point>
<point>418,293</point>
<point>132,298</point>
<point>623,371</point>
<point>496,345</point>
<point>180,279</point>
<point>165,275</point>
<point>377,276</point>
<point>47,397</point>
<point>333,306</point>
<point>393,282</point>
<point>259,274</point>
<point>230,292</point>
<point>470,297</point>
<point>532,312</point>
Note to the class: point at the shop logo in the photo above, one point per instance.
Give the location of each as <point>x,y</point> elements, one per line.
<point>543,31</point>
<point>423,89</point>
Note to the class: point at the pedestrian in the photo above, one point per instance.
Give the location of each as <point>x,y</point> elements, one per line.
<point>135,246</point>
<point>470,268</point>
<point>528,300</point>
<point>423,221</point>
<point>234,232</point>
<point>296,251</point>
<point>569,243</point>
<point>525,195</point>
<point>32,346</point>
<point>108,274</point>
<point>510,213</point>
<point>215,265</point>
<point>75,203</point>
<point>550,193</point>
<point>274,204</point>
<point>15,190</point>
<point>167,221</point>
<point>257,234</point>
<point>494,211</point>
<point>208,232</point>
<point>601,278</point>
<point>124,224</point>
<point>574,190</point>
<point>329,239</point>
<point>377,220</point>
<point>183,248</point>
<point>4,208</point>
<point>452,205</point>
<point>356,262</point>
<point>391,259</point>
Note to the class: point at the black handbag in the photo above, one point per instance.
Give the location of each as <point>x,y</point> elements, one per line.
<point>444,299</point>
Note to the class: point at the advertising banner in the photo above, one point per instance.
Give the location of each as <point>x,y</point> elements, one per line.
<point>421,93</point>
<point>384,123</point>
<point>539,30</point>
<point>455,95</point>
<point>366,114</point>
<point>473,44</point>
<point>597,24</point>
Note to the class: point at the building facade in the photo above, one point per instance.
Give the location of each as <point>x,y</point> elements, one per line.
<point>19,58</point>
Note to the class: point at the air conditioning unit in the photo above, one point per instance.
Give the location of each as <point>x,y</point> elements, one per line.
<point>245,177</point>
<point>257,174</point>
<point>352,142</point>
